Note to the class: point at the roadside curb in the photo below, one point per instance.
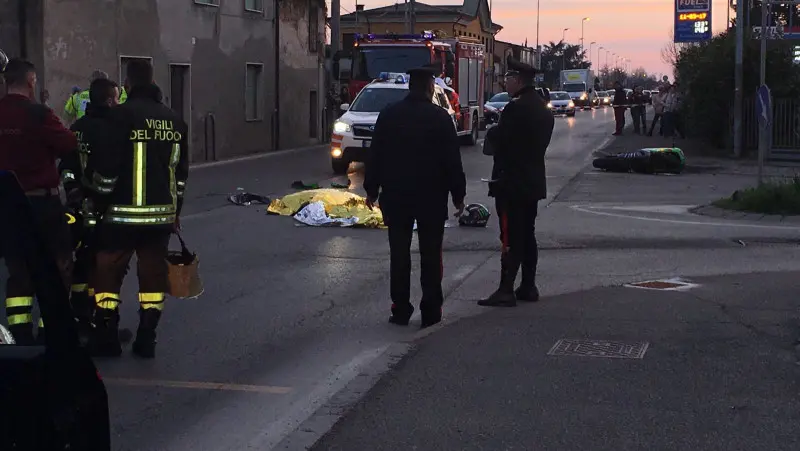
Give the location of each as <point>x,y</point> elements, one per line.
<point>723,213</point>
<point>256,156</point>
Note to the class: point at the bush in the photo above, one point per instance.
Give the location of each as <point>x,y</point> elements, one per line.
<point>777,198</point>
<point>706,74</point>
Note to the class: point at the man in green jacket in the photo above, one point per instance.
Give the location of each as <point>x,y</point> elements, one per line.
<point>75,107</point>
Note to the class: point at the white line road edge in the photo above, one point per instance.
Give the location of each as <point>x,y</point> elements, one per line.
<point>318,397</point>
<point>592,210</point>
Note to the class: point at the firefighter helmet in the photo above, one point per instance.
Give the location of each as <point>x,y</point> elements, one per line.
<point>475,215</point>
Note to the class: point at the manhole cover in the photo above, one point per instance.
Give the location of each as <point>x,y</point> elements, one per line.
<point>599,348</point>
<point>664,285</point>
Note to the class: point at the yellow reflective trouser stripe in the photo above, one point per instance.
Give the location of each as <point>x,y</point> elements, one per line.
<point>108,301</point>
<point>79,287</point>
<point>139,165</point>
<point>41,323</point>
<point>22,318</point>
<point>151,301</point>
<point>19,301</point>
<point>90,291</point>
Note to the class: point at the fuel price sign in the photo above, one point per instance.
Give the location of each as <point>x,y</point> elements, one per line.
<point>692,20</point>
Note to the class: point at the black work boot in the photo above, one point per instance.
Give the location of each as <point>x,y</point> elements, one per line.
<point>83,307</point>
<point>145,344</point>
<point>527,290</point>
<point>431,317</point>
<point>104,340</point>
<point>504,296</point>
<point>23,334</point>
<point>401,315</point>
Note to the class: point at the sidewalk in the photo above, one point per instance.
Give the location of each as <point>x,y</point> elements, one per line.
<point>718,372</point>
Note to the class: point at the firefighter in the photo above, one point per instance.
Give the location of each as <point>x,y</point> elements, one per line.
<point>75,107</point>
<point>92,131</point>
<point>123,94</point>
<point>31,139</point>
<point>138,189</point>
<point>415,164</point>
<point>519,140</point>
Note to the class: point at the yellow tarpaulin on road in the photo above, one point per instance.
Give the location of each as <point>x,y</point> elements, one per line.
<point>338,204</point>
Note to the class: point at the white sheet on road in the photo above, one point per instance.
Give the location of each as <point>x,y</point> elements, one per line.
<point>314,214</point>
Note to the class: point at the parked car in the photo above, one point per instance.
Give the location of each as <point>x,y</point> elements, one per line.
<point>493,107</point>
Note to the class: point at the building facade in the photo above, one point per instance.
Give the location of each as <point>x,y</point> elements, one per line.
<point>471,19</point>
<point>244,82</point>
<point>503,50</point>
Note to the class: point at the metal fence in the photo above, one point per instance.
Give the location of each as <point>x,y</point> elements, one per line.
<point>785,128</point>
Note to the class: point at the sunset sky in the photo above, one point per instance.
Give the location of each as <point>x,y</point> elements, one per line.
<point>634,29</point>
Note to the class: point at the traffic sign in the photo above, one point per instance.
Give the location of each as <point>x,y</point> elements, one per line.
<point>764,107</point>
<point>692,20</point>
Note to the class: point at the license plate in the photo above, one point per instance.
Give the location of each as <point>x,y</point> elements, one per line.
<point>366,143</point>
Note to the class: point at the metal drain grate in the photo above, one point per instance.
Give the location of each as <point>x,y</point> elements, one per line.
<point>599,348</point>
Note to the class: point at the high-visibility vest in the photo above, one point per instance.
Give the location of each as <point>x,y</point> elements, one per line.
<point>76,104</point>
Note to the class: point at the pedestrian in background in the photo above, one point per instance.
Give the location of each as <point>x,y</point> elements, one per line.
<point>658,112</point>
<point>32,138</point>
<point>519,142</point>
<point>670,110</point>
<point>638,112</point>
<point>678,107</point>
<point>415,164</point>
<point>620,105</point>
<point>75,107</point>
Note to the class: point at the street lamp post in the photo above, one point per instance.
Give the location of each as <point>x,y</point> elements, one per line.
<point>590,51</point>
<point>564,48</point>
<point>583,21</point>
<point>598,59</point>
<point>537,32</point>
<point>607,53</point>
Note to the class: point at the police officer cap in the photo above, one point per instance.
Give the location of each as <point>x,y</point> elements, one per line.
<point>519,68</point>
<point>428,71</point>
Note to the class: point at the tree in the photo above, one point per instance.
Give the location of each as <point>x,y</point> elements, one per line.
<point>705,70</point>
<point>557,56</point>
<point>671,50</point>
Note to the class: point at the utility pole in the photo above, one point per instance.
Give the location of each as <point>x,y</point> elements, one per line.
<point>537,32</point>
<point>765,132</point>
<point>335,26</point>
<point>412,19</point>
<point>738,74</point>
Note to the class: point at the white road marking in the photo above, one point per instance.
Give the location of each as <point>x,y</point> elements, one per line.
<point>268,389</point>
<point>304,408</point>
<point>462,272</point>
<point>588,209</point>
<point>682,285</point>
<point>666,209</point>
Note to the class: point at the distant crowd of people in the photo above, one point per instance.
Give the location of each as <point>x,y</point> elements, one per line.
<point>667,106</point>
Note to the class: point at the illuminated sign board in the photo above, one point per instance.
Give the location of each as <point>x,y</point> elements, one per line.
<point>684,6</point>
<point>692,20</point>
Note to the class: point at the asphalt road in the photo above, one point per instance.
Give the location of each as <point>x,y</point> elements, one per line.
<point>290,314</point>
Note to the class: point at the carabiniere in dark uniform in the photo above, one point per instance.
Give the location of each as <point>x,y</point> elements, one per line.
<point>414,164</point>
<point>518,144</point>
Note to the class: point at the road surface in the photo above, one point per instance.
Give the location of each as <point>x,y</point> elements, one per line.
<point>290,314</point>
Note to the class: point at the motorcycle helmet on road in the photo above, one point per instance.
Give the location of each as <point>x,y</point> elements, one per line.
<point>475,215</point>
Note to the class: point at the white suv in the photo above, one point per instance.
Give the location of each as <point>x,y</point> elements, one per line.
<point>352,133</point>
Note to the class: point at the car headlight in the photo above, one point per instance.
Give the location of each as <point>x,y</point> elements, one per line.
<point>571,104</point>
<point>583,96</point>
<point>341,127</point>
<point>549,105</point>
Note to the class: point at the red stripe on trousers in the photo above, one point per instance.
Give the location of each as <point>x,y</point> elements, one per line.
<point>504,229</point>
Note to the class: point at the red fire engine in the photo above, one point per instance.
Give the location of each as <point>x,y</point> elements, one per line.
<point>461,60</point>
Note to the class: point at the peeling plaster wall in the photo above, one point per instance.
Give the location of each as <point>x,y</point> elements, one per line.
<point>217,42</point>
<point>9,28</point>
<point>301,71</point>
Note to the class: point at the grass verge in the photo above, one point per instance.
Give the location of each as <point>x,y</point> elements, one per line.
<point>773,198</point>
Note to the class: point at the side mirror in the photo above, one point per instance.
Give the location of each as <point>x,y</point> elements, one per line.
<point>344,107</point>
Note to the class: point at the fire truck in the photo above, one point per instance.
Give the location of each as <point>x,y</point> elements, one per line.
<point>461,60</point>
